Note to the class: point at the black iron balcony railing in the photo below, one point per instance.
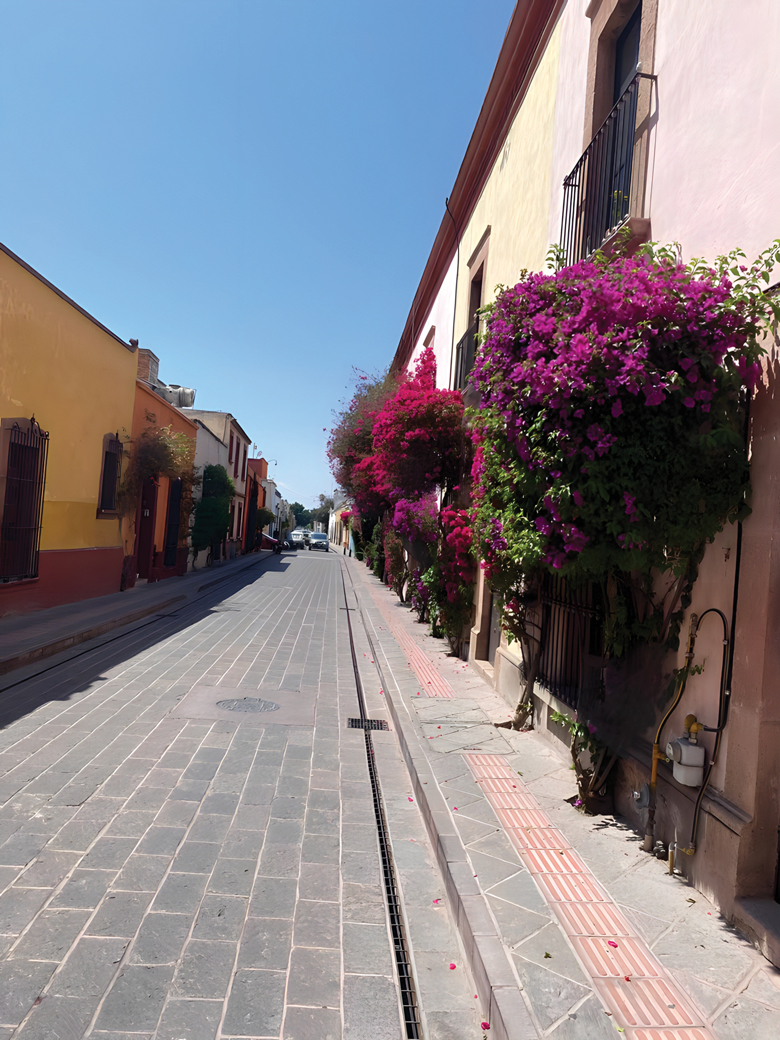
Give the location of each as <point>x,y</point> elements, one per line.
<point>597,192</point>
<point>464,357</point>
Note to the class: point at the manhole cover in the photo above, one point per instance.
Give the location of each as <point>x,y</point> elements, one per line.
<point>248,704</point>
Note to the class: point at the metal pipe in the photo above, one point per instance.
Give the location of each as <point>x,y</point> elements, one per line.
<point>682,680</point>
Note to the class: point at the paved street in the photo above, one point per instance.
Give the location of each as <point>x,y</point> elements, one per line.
<point>178,865</point>
<point>173,869</point>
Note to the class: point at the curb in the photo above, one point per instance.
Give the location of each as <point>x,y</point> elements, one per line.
<point>496,984</point>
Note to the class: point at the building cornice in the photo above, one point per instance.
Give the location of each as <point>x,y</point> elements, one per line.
<point>529,31</point>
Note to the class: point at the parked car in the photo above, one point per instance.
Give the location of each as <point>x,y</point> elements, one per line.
<point>297,539</point>
<point>318,540</point>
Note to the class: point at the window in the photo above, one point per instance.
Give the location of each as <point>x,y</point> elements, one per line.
<point>466,346</point>
<point>230,453</point>
<point>608,185</point>
<point>235,458</point>
<point>243,464</point>
<point>23,453</point>
<point>240,518</point>
<point>111,473</point>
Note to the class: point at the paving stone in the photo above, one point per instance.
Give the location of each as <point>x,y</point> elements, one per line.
<point>273,897</point>
<point>255,1004</point>
<point>371,1008</point>
<point>190,1020</point>
<point>360,868</point>
<point>251,817</point>
<point>120,914</point>
<point>284,832</point>
<point>141,873</point>
<point>220,917</point>
<point>180,893</point>
<point>55,1017</point>
<point>314,977</point>
<point>136,999</point>
<point>160,939</point>
<point>205,970</point>
<point>266,943</point>
<point>18,906</point>
<point>176,814</point>
<point>320,848</point>
<point>21,981</point>
<point>317,924</point>
<point>49,869</point>
<point>363,903</point>
<point>90,966</point>
<point>303,1023</point>
<point>131,823</point>
<point>280,861</point>
<point>220,804</point>
<point>160,841</point>
<point>367,949</point>
<point>108,853</point>
<point>232,876</point>
<point>196,857</point>
<point>20,849</point>
<point>84,888</point>
<point>209,828</point>
<point>148,798</point>
<point>745,1019</point>
<point>243,844</point>
<point>319,881</point>
<point>289,808</point>
<point>51,935</point>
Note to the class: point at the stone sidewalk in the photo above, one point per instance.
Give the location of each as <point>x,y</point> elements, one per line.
<point>28,638</point>
<point>173,870</point>
<point>729,990</point>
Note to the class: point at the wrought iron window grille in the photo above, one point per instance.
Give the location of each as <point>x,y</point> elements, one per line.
<point>25,479</point>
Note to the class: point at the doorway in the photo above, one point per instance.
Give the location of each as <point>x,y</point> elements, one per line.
<point>146,521</point>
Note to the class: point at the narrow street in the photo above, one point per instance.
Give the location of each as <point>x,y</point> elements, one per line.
<point>173,868</point>
<point>191,847</point>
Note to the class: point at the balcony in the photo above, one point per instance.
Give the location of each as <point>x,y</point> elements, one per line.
<point>464,357</point>
<point>606,187</point>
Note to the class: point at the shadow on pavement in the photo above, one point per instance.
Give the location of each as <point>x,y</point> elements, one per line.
<point>73,671</point>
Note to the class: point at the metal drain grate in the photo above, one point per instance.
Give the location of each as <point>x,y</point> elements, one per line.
<point>248,704</point>
<point>367,724</point>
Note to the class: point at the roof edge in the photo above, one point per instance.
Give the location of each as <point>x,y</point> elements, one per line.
<point>65,297</point>
<point>527,36</point>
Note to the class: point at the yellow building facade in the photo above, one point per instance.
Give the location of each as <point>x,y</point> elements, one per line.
<point>61,540</point>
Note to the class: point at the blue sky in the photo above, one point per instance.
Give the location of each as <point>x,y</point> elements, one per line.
<point>248,187</point>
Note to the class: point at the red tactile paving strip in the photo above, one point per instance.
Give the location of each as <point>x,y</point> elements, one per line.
<point>630,982</point>
<point>431,683</point>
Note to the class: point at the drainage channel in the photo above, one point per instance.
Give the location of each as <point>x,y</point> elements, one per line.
<point>405,979</point>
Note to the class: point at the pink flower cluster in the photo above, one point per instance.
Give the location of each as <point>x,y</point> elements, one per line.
<point>416,519</point>
<point>456,556</point>
<point>571,359</point>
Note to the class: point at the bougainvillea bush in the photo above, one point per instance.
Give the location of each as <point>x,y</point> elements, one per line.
<point>610,439</point>
<point>418,436</point>
<point>450,579</point>
<point>351,443</point>
<point>417,520</point>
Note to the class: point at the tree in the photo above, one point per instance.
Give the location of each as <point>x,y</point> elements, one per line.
<point>264,518</point>
<point>322,511</point>
<point>301,514</point>
<point>212,513</point>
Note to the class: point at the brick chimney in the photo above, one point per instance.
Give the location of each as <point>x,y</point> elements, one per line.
<point>148,364</point>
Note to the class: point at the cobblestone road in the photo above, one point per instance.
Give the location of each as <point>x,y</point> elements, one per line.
<point>177,870</point>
